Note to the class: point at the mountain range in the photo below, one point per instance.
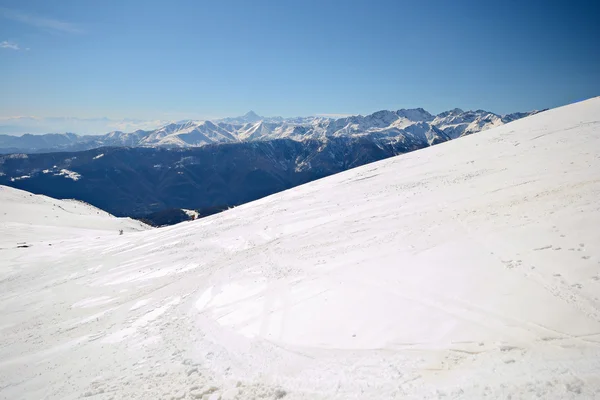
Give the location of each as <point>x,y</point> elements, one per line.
<point>382,126</point>
<point>210,166</point>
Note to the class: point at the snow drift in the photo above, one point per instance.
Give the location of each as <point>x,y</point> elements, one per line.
<point>464,270</point>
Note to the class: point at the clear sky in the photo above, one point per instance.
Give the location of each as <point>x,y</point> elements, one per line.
<point>154,60</point>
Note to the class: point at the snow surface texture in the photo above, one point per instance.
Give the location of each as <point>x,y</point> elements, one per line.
<point>462,271</point>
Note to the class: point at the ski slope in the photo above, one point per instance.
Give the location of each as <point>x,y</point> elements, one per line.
<point>466,270</point>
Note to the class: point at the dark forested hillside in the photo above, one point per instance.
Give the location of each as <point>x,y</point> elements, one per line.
<point>140,181</point>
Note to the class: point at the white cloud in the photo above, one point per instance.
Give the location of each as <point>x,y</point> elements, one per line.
<point>39,21</point>
<point>9,45</point>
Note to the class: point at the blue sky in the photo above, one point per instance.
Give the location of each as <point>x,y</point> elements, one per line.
<point>156,60</point>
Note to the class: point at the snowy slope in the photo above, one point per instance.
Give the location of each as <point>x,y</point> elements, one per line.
<point>26,218</point>
<point>461,271</point>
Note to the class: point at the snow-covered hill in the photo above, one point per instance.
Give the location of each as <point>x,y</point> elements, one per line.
<point>466,270</point>
<point>26,219</point>
<point>412,124</point>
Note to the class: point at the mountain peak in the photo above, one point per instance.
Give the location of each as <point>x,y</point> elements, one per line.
<point>249,117</point>
<point>414,114</point>
<point>251,114</point>
<point>455,111</point>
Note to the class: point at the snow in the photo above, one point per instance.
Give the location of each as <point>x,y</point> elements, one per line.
<point>18,178</point>
<point>69,174</point>
<point>466,270</point>
<point>25,217</point>
<point>191,213</point>
<point>99,156</point>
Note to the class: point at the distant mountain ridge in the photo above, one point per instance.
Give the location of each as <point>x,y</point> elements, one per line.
<point>385,125</point>
<point>212,165</point>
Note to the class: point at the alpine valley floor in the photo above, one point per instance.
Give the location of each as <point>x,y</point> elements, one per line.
<point>464,270</point>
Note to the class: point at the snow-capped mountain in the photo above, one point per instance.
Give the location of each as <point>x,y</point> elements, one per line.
<point>456,123</point>
<point>417,124</point>
<point>468,270</point>
<point>415,114</point>
<point>412,124</point>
